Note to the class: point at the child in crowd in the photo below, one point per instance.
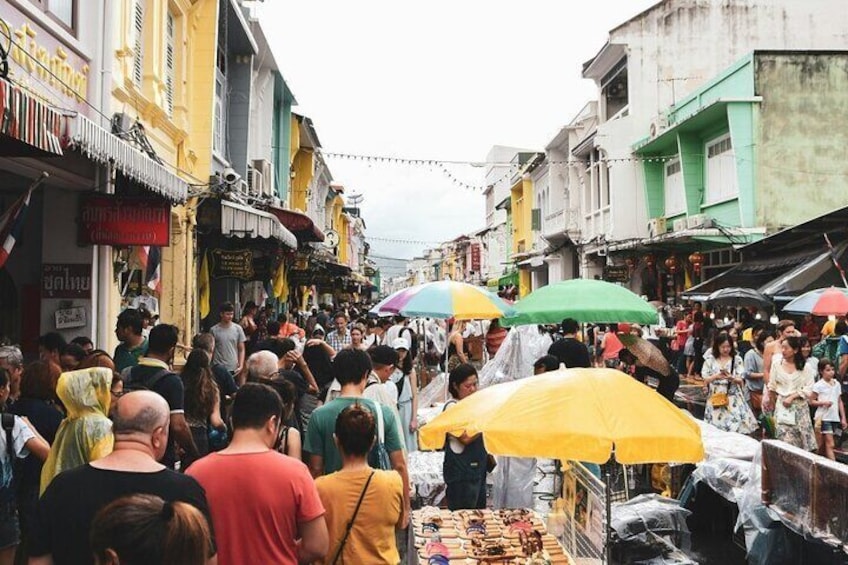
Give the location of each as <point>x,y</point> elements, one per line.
<point>830,411</point>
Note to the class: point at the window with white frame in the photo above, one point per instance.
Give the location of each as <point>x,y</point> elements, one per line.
<point>721,180</point>
<point>137,41</point>
<point>675,195</point>
<point>170,69</point>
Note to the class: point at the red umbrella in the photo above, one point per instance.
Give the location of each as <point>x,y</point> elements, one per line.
<point>831,302</point>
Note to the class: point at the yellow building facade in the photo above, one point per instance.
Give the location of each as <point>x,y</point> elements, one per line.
<point>163,77</point>
<point>521,204</point>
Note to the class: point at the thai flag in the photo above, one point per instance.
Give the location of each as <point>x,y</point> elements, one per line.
<point>12,222</point>
<point>154,268</point>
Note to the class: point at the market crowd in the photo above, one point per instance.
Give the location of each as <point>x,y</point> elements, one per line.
<point>120,458</point>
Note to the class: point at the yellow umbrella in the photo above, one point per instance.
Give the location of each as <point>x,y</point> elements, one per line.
<point>573,414</point>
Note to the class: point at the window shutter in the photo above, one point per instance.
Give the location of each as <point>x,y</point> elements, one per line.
<point>169,66</point>
<point>138,37</point>
<point>536,219</point>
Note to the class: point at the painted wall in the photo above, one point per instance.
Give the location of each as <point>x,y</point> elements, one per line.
<point>801,167</point>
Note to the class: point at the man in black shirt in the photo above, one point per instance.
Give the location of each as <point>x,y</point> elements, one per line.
<point>154,373</point>
<point>568,350</point>
<point>67,507</point>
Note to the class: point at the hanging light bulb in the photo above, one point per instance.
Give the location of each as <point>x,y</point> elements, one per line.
<point>774,319</point>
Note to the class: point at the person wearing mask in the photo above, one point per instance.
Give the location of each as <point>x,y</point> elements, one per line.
<point>466,459</point>
<point>278,519</point>
<point>86,432</point>
<point>202,402</point>
<point>406,380</point>
<point>154,373</point>
<point>133,344</point>
<point>143,528</point>
<point>37,406</point>
<point>352,369</point>
<point>364,505</point>
<point>18,439</point>
<point>64,517</point>
<point>789,386</point>
<point>569,350</point>
<point>229,340</point>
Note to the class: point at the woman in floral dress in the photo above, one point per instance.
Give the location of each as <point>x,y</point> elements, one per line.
<point>789,386</point>
<point>726,407</point>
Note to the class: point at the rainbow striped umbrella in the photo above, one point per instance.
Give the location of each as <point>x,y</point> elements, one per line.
<point>444,299</point>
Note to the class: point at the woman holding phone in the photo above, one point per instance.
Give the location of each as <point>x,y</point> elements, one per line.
<point>727,408</point>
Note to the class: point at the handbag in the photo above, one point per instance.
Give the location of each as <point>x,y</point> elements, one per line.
<point>352,518</point>
<point>383,461</point>
<point>784,416</point>
<point>719,399</point>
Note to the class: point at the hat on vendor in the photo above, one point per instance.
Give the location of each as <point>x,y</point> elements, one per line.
<point>400,343</point>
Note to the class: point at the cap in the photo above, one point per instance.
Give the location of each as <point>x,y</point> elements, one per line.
<point>318,329</point>
<point>400,343</point>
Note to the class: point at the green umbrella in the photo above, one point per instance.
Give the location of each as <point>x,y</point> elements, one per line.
<point>585,300</point>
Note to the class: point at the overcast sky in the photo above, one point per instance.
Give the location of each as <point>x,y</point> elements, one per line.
<point>442,79</point>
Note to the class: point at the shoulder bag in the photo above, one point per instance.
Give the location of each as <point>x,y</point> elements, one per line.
<point>352,518</point>
<point>720,399</point>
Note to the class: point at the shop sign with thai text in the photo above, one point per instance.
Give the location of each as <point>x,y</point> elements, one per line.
<point>237,264</point>
<point>121,221</point>
<point>41,64</point>
<point>61,280</point>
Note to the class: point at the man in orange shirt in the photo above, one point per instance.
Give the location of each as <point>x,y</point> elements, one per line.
<point>289,329</point>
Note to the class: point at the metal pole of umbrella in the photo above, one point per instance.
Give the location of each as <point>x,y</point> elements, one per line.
<point>608,487</point>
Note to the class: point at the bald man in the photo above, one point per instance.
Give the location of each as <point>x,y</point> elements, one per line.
<point>65,511</point>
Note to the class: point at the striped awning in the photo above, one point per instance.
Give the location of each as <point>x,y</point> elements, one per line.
<point>99,144</point>
<point>27,119</point>
<point>243,221</point>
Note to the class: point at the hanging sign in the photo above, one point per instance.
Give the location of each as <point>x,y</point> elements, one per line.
<point>237,264</point>
<point>65,281</point>
<point>475,257</point>
<point>119,221</point>
<point>616,273</point>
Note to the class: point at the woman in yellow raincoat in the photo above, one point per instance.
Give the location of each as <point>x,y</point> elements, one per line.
<point>86,432</point>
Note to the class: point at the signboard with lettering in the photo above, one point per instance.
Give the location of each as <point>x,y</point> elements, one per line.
<point>60,280</point>
<point>475,257</point>
<point>70,318</point>
<point>617,273</point>
<point>106,219</point>
<point>236,264</point>
<point>43,65</point>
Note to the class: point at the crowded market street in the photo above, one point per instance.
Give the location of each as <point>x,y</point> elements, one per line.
<point>456,283</point>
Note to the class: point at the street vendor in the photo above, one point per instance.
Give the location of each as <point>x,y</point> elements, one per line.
<point>666,385</point>
<point>466,458</point>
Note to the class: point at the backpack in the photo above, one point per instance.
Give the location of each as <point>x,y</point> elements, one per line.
<point>413,341</point>
<point>132,383</point>
<point>827,349</point>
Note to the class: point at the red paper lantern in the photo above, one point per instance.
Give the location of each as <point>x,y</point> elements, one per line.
<point>650,260</point>
<point>672,264</point>
<point>697,260</point>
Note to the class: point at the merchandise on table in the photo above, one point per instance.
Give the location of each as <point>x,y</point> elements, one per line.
<point>516,536</point>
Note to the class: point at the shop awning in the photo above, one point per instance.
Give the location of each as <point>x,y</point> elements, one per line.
<point>28,120</point>
<point>778,277</point>
<point>510,278</point>
<point>103,147</point>
<point>301,225</point>
<point>238,220</point>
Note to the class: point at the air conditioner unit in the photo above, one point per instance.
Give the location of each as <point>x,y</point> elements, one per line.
<point>264,168</point>
<point>696,221</point>
<point>679,225</point>
<point>657,226</point>
<point>255,182</point>
<point>658,125</point>
<point>241,187</point>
